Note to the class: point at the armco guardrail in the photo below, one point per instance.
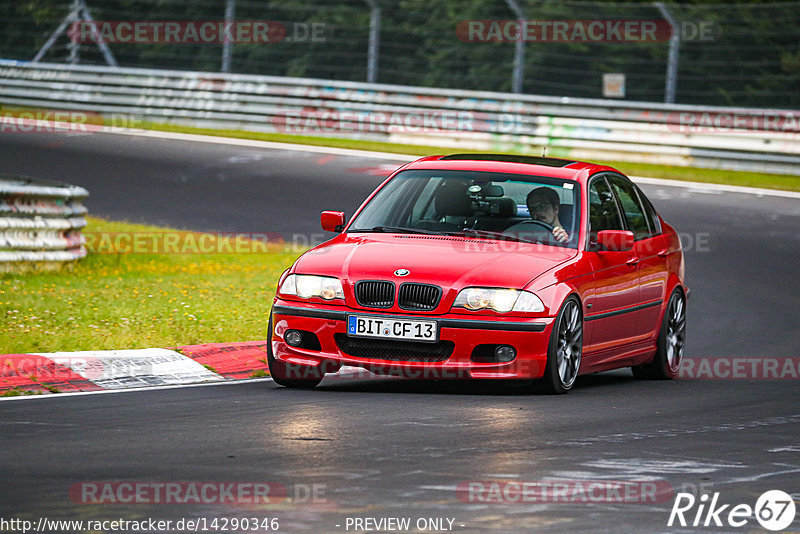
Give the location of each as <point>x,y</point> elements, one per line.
<point>729,138</point>
<point>40,221</point>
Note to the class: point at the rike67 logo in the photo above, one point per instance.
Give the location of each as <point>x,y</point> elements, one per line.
<point>774,510</point>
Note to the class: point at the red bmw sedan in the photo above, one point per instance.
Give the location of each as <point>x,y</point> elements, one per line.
<point>487,266</point>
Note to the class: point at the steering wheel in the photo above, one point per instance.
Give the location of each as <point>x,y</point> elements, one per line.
<point>547,227</point>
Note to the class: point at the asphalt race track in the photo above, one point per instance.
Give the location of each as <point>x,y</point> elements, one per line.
<point>383,447</point>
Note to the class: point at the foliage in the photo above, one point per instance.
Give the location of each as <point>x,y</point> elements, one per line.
<point>752,59</point>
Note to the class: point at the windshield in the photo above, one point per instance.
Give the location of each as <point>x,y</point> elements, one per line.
<point>475,204</point>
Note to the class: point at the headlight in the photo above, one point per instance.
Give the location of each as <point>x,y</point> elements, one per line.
<point>307,286</point>
<point>500,300</point>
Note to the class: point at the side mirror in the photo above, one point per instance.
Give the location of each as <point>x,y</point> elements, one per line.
<point>619,240</point>
<point>333,221</point>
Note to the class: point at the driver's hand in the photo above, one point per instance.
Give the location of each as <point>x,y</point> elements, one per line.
<point>560,234</point>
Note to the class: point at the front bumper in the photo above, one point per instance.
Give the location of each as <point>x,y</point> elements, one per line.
<point>529,337</point>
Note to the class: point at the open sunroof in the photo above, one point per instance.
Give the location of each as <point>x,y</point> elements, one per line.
<point>511,158</point>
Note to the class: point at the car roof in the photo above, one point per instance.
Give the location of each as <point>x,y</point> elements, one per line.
<point>513,164</point>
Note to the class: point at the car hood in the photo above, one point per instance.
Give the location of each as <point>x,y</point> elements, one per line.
<point>449,262</point>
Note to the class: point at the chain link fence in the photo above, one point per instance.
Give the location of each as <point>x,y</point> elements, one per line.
<point>744,54</point>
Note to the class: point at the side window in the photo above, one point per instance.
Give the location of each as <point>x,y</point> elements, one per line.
<point>632,208</point>
<point>650,211</point>
<point>390,207</point>
<point>603,212</point>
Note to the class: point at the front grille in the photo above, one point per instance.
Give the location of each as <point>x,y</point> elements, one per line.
<point>419,296</point>
<point>375,294</point>
<point>398,351</point>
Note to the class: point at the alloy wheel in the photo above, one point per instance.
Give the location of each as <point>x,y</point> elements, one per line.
<point>570,343</point>
<point>676,331</point>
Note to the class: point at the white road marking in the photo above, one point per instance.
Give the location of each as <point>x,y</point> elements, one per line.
<point>155,134</point>
<point>637,466</point>
<point>33,423</point>
<point>753,478</point>
<point>133,390</point>
<point>677,432</point>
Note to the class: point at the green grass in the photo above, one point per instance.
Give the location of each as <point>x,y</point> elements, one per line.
<point>128,301</point>
<point>16,392</point>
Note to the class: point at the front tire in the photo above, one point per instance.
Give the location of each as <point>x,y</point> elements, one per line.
<point>565,349</point>
<point>290,375</point>
<point>671,339</point>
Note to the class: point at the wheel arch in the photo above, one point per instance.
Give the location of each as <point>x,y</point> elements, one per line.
<point>554,297</point>
<point>673,282</point>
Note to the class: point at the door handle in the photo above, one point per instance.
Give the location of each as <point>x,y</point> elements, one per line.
<point>663,253</point>
<point>632,261</point>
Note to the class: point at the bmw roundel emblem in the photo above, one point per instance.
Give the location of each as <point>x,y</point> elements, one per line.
<point>402,272</point>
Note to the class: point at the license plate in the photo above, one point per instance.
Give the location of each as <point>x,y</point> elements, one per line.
<point>388,328</point>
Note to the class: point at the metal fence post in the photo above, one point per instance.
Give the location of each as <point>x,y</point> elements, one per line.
<point>227,45</point>
<point>519,49</point>
<point>672,60</point>
<point>79,11</point>
<point>72,16</point>
<point>73,46</point>
<point>374,40</point>
<point>104,49</point>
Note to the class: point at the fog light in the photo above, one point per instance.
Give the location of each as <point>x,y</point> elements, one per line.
<point>505,353</point>
<point>293,338</point>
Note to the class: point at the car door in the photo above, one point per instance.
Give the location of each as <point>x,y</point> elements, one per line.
<point>650,249</point>
<point>615,295</point>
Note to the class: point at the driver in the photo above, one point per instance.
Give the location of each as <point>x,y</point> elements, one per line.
<point>543,204</point>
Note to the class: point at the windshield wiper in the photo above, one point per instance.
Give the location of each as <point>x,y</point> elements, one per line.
<point>397,229</point>
<point>469,232</point>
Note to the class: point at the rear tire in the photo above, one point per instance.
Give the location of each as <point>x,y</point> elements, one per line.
<point>290,375</point>
<point>565,349</point>
<point>671,339</point>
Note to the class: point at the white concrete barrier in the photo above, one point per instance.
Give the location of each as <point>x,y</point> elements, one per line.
<point>40,221</point>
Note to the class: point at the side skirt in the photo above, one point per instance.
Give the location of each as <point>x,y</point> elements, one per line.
<point>635,354</point>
